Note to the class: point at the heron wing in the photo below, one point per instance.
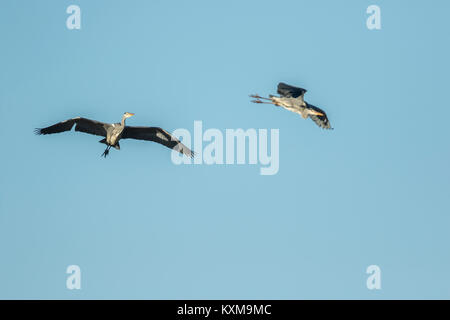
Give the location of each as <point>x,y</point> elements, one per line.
<point>288,91</point>
<point>82,124</point>
<point>158,135</point>
<point>321,121</point>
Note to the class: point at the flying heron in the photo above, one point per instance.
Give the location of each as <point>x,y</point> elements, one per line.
<point>291,98</point>
<point>116,131</point>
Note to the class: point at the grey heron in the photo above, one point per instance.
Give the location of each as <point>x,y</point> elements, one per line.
<point>114,132</point>
<point>291,98</point>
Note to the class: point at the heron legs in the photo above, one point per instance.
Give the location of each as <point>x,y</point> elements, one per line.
<point>256,96</point>
<point>258,99</point>
<point>106,152</point>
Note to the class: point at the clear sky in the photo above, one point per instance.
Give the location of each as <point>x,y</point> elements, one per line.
<point>375,191</point>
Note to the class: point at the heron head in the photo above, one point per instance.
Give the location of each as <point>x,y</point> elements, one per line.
<point>128,114</point>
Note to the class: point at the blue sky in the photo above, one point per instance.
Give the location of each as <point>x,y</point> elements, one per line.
<point>373,191</point>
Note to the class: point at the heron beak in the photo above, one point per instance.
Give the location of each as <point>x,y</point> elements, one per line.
<point>130,114</point>
<point>317,113</point>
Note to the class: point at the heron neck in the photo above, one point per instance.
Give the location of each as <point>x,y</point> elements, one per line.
<point>123,122</point>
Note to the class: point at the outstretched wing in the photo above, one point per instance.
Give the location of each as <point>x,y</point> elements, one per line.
<point>158,135</point>
<point>82,124</point>
<point>321,121</point>
<point>288,91</point>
